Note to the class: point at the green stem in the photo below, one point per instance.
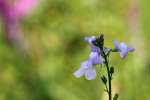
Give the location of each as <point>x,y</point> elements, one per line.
<point>109,77</point>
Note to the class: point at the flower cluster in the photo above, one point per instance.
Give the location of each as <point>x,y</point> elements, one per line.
<point>96,56</point>
<point>86,67</point>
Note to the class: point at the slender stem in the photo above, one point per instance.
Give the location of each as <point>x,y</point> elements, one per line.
<point>109,77</point>
<point>106,88</point>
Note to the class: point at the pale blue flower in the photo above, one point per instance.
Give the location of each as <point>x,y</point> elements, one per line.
<point>87,70</point>
<point>123,49</point>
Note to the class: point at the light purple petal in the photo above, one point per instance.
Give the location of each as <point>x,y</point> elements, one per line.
<point>120,46</point>
<point>123,47</point>
<point>96,58</point>
<point>80,72</point>
<point>123,50</point>
<point>90,74</point>
<point>90,39</point>
<point>95,49</point>
<point>86,64</point>
<point>123,54</point>
<point>117,45</point>
<point>83,67</point>
<point>130,49</point>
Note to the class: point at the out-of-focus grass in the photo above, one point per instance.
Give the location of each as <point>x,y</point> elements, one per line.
<point>54,35</point>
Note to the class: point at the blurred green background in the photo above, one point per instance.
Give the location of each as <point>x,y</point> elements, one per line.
<point>54,34</point>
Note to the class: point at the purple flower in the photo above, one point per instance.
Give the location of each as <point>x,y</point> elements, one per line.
<point>87,70</point>
<point>12,14</point>
<point>123,49</point>
<point>95,56</point>
<point>87,67</point>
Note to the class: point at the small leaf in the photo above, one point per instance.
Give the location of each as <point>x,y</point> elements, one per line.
<point>116,96</point>
<point>104,79</point>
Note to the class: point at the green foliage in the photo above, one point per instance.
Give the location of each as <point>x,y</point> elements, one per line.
<point>55,47</point>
